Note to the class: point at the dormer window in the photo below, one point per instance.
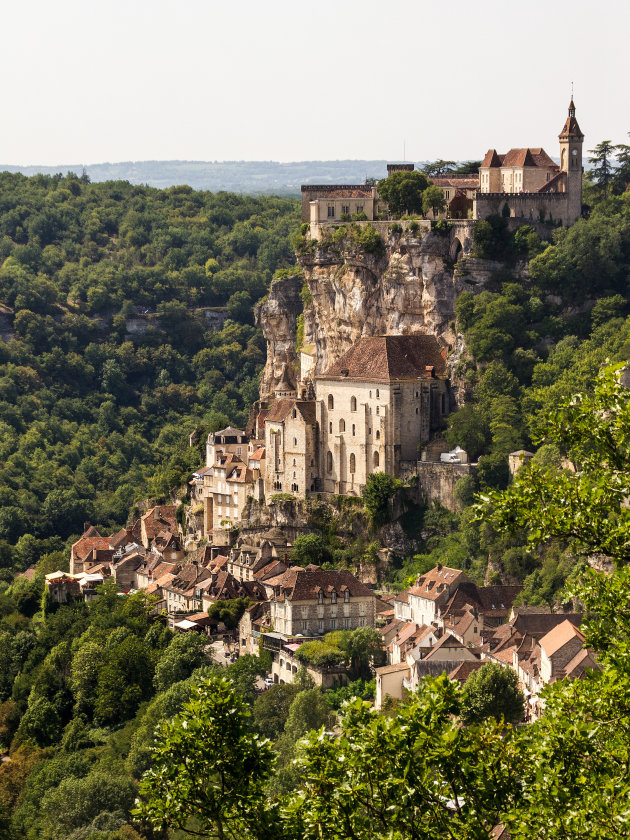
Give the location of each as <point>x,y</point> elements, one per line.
<point>346,596</point>
<point>333,597</point>
<point>320,597</point>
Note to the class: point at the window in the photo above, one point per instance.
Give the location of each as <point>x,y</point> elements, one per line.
<point>346,596</point>
<point>353,403</point>
<point>353,463</point>
<point>333,597</point>
<point>342,425</point>
<point>333,623</point>
<point>330,427</point>
<point>376,459</point>
<point>294,488</point>
<point>377,393</point>
<point>361,622</point>
<point>320,597</point>
<point>305,625</point>
<point>294,464</point>
<point>345,209</point>
<point>378,435</point>
<point>354,429</point>
<point>417,411</point>
<point>331,401</point>
<point>362,608</point>
<point>294,413</point>
<point>320,625</point>
<point>358,208</point>
<point>346,623</point>
<point>378,410</point>
<point>331,211</point>
<point>447,194</point>
<point>329,462</point>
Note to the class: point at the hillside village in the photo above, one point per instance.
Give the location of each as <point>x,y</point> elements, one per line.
<point>323,426</point>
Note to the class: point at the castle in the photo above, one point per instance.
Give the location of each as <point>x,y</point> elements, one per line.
<point>526,181</point>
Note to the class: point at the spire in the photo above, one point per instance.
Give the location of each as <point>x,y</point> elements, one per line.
<point>571,129</point>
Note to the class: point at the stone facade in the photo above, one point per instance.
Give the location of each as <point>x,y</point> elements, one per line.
<point>372,409</point>
<point>312,602</point>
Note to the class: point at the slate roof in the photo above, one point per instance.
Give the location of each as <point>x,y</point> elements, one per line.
<point>386,358</point>
<point>571,127</point>
<point>539,624</point>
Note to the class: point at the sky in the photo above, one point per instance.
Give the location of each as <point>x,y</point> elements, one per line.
<point>90,82</point>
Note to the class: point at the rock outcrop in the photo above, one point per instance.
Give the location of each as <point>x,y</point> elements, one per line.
<point>408,286</point>
<point>277,317</point>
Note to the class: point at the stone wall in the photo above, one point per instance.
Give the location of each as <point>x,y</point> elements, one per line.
<point>528,207</point>
<point>436,481</point>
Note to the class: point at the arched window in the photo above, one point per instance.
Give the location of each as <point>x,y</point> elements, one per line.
<point>330,427</point>
<point>353,403</point>
<point>342,425</point>
<point>354,429</point>
<point>294,441</point>
<point>376,459</point>
<point>331,401</point>
<point>378,410</point>
<point>329,464</point>
<point>353,463</point>
<point>294,413</point>
<point>417,412</point>
<point>294,462</point>
<point>377,393</point>
<point>378,435</point>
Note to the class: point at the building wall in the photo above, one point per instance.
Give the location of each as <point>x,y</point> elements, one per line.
<point>550,667</point>
<point>380,424</point>
<point>526,206</point>
<point>311,618</point>
<point>292,463</point>
<point>389,685</point>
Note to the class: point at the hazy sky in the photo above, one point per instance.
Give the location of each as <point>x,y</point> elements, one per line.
<point>87,82</point>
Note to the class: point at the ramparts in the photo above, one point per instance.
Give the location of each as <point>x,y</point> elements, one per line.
<point>536,207</point>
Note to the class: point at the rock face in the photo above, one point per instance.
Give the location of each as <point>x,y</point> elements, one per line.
<point>409,286</point>
<point>277,316</point>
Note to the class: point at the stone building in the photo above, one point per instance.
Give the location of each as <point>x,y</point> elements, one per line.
<point>313,601</point>
<point>375,406</point>
<point>526,181</point>
<point>291,444</point>
<point>371,411</point>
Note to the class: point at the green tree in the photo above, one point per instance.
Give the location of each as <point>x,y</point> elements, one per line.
<point>229,612</point>
<point>209,769</point>
<point>418,773</point>
<point>438,167</point>
<point>310,548</point>
<point>601,161</point>
<point>271,709</point>
<point>378,493</point>
<point>184,654</point>
<point>403,192</point>
<point>492,691</point>
<point>433,199</point>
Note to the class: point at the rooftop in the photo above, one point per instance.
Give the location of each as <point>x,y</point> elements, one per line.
<point>385,358</point>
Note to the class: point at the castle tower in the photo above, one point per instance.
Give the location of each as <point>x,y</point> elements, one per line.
<point>571,140</point>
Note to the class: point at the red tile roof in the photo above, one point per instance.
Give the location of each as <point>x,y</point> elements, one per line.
<point>557,638</point>
<point>305,584</point>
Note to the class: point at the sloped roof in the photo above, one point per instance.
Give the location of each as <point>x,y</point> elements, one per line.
<point>305,584</point>
<point>463,671</point>
<point>571,127</point>
<point>84,546</point>
<point>437,582</point>
<point>384,358</point>
<point>548,187</point>
<point>470,182</point>
<point>491,159</point>
<point>539,624</point>
<point>557,638</point>
<point>582,660</point>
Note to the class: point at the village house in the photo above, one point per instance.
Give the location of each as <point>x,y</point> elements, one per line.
<point>156,521</point>
<point>313,601</point>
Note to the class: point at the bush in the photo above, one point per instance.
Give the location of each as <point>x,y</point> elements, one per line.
<point>378,493</point>
<point>369,240</point>
<point>319,654</point>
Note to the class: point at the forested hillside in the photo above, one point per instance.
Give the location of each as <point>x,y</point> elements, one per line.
<point>529,344</point>
<point>94,415</point>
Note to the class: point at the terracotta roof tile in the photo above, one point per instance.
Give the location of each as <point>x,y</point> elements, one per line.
<point>557,638</point>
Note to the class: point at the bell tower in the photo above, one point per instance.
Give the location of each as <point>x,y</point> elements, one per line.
<point>571,140</point>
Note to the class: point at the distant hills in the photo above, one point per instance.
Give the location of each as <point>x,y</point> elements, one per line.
<point>241,176</point>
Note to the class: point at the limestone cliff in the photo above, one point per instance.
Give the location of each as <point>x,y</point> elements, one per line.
<point>277,316</point>
<point>410,285</point>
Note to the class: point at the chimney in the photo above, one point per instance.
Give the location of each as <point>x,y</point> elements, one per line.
<point>430,369</point>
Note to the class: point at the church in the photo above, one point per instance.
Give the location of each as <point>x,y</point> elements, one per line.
<point>371,411</point>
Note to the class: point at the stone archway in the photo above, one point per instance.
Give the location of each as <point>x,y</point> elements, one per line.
<point>457,250</point>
